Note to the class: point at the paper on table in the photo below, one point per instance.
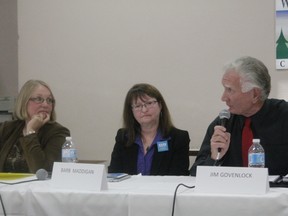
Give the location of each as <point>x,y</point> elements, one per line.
<point>14,178</point>
<point>274,178</point>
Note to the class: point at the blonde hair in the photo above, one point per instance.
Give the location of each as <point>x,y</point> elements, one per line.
<point>20,109</point>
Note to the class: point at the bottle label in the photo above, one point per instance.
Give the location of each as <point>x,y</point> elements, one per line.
<point>69,154</point>
<point>256,159</point>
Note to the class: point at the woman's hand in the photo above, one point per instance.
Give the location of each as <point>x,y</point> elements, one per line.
<point>36,122</point>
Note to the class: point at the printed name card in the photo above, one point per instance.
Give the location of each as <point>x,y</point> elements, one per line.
<point>231,180</point>
<point>79,176</point>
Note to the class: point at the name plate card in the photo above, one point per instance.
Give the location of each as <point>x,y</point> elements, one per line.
<point>231,180</point>
<point>79,176</point>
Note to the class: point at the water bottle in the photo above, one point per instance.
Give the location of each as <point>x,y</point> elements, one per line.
<point>69,152</point>
<point>256,154</point>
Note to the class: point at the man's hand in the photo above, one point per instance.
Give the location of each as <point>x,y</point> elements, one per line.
<point>219,140</point>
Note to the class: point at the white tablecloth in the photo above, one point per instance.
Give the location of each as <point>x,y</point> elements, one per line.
<point>137,196</point>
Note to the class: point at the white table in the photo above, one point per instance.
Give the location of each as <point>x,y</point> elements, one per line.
<point>137,196</point>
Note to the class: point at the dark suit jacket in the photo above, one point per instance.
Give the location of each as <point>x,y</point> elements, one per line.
<point>172,162</point>
<point>269,124</point>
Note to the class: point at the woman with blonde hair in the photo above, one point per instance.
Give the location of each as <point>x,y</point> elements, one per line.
<point>33,139</point>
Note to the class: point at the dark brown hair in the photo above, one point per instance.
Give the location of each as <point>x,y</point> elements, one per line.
<point>129,122</point>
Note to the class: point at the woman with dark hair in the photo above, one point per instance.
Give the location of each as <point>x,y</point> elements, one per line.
<point>34,139</point>
<point>148,143</point>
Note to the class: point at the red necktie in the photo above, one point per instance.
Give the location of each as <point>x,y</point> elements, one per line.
<point>247,137</point>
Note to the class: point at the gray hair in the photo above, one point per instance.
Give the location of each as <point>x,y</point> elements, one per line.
<point>253,74</point>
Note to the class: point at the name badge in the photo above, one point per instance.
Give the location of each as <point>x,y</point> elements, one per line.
<point>162,146</point>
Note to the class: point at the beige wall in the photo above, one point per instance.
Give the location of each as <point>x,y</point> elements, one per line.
<point>92,51</point>
<point>8,48</point>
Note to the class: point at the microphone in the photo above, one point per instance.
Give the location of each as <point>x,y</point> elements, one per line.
<point>42,174</point>
<point>224,116</point>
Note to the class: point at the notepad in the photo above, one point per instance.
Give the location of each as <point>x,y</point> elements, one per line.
<point>14,176</point>
<point>116,177</point>
<point>274,178</point>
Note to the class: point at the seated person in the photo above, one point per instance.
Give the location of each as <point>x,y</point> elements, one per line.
<point>33,140</point>
<point>247,85</point>
<point>149,143</point>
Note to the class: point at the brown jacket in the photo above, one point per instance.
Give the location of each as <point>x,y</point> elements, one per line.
<point>40,149</point>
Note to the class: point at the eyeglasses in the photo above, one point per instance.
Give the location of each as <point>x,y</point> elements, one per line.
<point>147,105</point>
<point>40,100</point>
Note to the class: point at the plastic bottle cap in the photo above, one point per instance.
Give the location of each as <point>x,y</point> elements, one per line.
<point>256,140</point>
<point>68,138</point>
